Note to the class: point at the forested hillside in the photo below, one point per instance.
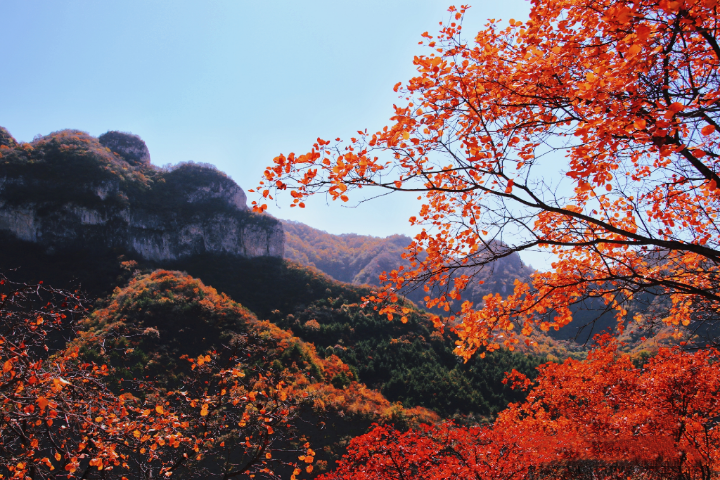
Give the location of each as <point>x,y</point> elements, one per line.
<point>361,259</point>
<point>155,319</point>
<point>410,362</point>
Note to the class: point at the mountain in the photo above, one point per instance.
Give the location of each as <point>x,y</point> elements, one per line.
<point>360,259</point>
<point>110,218</point>
<point>351,258</point>
<point>69,190</point>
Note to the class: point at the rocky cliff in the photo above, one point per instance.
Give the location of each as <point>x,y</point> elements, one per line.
<point>71,190</point>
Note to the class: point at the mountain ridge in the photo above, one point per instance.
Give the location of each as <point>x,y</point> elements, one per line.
<point>361,259</point>
<point>67,189</point>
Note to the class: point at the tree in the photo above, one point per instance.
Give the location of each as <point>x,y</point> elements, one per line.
<point>590,131</point>
<point>598,418</point>
<point>661,417</point>
<point>59,417</point>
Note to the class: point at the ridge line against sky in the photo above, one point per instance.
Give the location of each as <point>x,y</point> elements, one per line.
<point>232,83</point>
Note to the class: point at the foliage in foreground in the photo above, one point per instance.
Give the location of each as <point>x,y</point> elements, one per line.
<point>123,399</point>
<point>598,418</point>
<point>60,419</point>
<point>621,98</point>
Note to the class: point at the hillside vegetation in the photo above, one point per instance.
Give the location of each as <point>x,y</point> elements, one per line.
<point>162,325</point>
<point>302,317</point>
<point>361,259</point>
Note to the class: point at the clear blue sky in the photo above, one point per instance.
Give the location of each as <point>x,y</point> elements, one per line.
<point>233,83</point>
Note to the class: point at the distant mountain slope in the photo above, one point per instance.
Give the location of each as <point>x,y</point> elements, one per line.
<point>351,258</point>
<point>360,259</point>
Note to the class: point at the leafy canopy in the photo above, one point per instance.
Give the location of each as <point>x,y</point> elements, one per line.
<point>599,418</point>
<point>590,131</point>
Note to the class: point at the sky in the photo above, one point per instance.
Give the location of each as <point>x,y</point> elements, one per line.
<point>232,83</point>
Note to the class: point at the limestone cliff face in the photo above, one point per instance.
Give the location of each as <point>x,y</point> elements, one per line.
<point>67,190</point>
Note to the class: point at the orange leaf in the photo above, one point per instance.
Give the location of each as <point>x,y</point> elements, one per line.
<point>708,130</point>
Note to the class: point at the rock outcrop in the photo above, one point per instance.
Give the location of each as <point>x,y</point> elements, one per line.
<point>68,190</point>
<point>128,146</point>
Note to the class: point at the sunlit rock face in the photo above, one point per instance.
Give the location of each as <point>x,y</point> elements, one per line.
<point>71,190</point>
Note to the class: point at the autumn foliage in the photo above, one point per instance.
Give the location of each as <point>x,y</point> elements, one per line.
<point>599,418</point>
<point>589,131</point>
<point>116,402</point>
<point>60,418</point>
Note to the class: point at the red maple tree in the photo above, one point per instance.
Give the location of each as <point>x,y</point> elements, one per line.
<point>589,131</point>
<point>602,417</point>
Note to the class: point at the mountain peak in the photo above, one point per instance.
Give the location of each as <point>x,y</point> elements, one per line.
<point>129,146</point>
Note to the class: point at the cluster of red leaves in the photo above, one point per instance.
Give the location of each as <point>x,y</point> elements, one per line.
<point>432,452</point>
<point>598,418</point>
<point>59,419</point>
<point>619,97</point>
